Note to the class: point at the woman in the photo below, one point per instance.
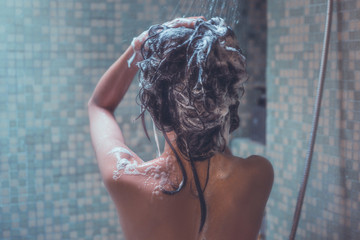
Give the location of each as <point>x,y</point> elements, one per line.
<point>191,81</point>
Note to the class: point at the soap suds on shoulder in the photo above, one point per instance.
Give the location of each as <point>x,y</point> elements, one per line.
<point>123,164</point>
<point>156,173</point>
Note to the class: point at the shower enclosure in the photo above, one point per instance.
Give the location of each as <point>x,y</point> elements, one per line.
<point>53,52</point>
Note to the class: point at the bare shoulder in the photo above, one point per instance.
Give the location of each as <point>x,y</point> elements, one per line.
<point>261,170</point>
<point>260,163</point>
<point>254,170</point>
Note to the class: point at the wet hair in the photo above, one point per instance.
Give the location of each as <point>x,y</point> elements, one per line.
<point>191,81</point>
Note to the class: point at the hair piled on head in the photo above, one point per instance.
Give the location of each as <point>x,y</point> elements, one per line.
<point>191,83</point>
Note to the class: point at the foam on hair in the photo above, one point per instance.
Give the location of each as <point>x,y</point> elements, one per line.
<point>191,83</point>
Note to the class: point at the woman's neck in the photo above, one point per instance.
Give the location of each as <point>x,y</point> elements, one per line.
<point>201,166</point>
<point>171,137</point>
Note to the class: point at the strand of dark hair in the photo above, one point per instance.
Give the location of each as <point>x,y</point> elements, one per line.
<point>181,165</point>
<point>162,69</point>
<point>200,193</point>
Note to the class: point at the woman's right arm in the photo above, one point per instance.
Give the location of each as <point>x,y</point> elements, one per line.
<point>110,90</point>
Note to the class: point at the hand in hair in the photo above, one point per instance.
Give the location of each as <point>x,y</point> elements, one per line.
<point>183,22</point>
<point>188,22</point>
<point>109,92</point>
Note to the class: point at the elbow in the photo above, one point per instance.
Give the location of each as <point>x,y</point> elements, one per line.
<point>93,101</point>
<point>91,104</point>
<point>94,105</point>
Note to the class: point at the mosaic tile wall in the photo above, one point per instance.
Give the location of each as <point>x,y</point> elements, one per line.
<point>52,54</point>
<point>295,34</point>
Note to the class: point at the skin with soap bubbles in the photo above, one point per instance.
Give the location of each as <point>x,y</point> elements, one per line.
<point>191,76</point>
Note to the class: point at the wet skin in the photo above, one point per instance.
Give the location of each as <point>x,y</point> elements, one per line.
<point>235,195</point>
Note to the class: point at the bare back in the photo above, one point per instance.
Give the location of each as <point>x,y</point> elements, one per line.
<point>237,189</point>
<point>235,195</point>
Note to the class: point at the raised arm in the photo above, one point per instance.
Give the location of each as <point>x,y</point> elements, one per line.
<point>114,83</point>
<point>105,132</point>
<point>106,135</point>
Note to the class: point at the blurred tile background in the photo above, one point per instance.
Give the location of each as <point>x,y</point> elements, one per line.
<point>53,52</point>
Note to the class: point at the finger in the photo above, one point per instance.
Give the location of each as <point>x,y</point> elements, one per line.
<point>197,17</point>
<point>183,22</point>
